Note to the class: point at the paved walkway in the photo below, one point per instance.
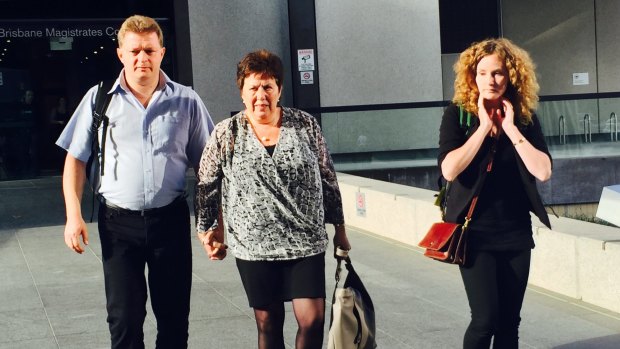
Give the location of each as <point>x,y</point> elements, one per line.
<point>51,297</point>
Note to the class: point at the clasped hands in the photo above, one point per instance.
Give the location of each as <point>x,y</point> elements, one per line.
<point>212,241</point>
<point>496,113</point>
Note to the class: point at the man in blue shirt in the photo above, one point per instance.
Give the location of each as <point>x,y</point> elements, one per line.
<point>157,130</point>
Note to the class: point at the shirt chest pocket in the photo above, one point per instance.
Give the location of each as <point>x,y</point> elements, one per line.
<point>169,132</point>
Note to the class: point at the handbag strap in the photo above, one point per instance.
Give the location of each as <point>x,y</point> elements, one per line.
<point>339,268</point>
<point>474,201</point>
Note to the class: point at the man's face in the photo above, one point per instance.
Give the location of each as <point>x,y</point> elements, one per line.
<point>141,55</point>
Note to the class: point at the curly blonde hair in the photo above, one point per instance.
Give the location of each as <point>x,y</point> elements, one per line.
<point>522,89</point>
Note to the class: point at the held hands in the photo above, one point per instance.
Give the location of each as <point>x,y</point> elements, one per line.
<point>74,229</point>
<point>213,243</point>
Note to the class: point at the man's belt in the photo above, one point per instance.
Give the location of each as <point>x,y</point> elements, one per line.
<point>145,212</point>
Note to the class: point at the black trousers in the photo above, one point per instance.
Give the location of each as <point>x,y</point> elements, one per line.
<point>160,240</point>
<point>495,283</point>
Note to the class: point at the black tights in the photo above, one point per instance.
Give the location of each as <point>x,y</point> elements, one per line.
<point>310,315</point>
<point>495,283</point>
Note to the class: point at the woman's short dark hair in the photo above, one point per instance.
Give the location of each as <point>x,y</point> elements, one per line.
<point>260,62</point>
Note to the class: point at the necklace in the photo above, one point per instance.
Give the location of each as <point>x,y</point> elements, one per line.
<point>265,138</point>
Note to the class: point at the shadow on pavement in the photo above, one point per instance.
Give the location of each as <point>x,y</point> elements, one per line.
<point>40,203</point>
<point>32,203</point>
<point>607,342</point>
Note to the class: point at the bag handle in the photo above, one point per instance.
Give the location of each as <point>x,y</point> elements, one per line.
<point>340,256</point>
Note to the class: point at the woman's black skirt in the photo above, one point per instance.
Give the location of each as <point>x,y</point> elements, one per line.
<point>268,282</point>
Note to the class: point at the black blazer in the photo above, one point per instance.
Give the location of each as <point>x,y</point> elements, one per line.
<point>453,135</point>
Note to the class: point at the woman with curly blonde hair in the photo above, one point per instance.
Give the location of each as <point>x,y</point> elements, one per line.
<point>491,143</point>
<point>522,89</point>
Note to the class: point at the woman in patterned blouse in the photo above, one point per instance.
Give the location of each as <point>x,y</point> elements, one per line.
<point>268,172</point>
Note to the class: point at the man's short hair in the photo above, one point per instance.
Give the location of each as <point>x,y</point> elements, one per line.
<point>140,24</point>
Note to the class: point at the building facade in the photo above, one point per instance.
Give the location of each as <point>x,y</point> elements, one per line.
<point>378,74</point>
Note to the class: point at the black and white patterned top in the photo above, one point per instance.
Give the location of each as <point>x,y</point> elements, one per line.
<point>274,207</point>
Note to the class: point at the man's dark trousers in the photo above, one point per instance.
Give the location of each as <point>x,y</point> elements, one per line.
<point>160,239</point>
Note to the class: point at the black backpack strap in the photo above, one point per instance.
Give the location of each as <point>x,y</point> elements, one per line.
<point>102,100</point>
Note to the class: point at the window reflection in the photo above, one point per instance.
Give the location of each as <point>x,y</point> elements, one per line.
<point>46,66</point>
<point>581,127</point>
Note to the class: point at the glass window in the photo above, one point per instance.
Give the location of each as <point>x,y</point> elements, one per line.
<point>46,66</point>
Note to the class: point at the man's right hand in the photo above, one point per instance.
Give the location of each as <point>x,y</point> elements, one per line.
<point>73,179</point>
<point>74,230</point>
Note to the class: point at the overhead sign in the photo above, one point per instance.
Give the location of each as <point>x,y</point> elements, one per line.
<point>59,28</point>
<point>25,33</point>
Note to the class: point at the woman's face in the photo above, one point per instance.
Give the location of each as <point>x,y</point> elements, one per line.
<point>491,77</point>
<point>260,95</point>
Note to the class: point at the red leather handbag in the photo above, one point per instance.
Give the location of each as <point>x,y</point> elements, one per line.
<point>445,242</point>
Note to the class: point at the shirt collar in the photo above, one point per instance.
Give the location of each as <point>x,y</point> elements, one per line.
<point>164,81</point>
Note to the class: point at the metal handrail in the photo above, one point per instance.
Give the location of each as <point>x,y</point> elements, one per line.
<point>562,129</point>
<point>613,127</point>
<point>587,131</point>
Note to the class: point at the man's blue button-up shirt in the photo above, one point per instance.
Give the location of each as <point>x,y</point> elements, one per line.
<point>148,150</point>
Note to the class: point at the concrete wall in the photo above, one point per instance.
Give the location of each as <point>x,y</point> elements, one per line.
<point>566,37</point>
<point>222,32</point>
<point>575,258</point>
<point>561,38</point>
<point>375,52</point>
<point>607,34</point>
<point>448,76</point>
